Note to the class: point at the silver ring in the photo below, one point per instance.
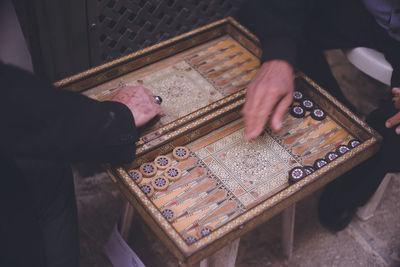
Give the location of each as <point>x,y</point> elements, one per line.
<point>158,99</point>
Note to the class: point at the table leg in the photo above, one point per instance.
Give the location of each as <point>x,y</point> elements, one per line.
<point>225,257</point>
<point>367,211</point>
<point>288,230</point>
<point>126,220</point>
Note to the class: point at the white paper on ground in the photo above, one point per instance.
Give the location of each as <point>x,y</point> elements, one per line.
<point>119,253</point>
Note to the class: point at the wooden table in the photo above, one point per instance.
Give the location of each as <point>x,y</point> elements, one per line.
<point>228,186</point>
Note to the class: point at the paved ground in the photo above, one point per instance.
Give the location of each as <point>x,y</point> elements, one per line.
<point>375,242</point>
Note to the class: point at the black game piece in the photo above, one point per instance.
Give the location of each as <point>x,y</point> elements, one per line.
<point>307,104</point>
<point>297,111</point>
<point>297,96</point>
<point>205,231</point>
<point>319,163</point>
<point>318,114</point>
<point>354,143</point>
<point>331,156</point>
<point>168,214</point>
<point>342,149</point>
<point>190,240</point>
<point>309,169</point>
<point>296,174</point>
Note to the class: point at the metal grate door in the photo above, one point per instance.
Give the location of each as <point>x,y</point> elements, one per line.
<point>119,27</point>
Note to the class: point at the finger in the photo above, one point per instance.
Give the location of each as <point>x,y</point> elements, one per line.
<point>260,107</point>
<point>397,104</point>
<point>253,115</point>
<point>254,126</point>
<point>250,97</point>
<point>397,130</point>
<point>392,121</point>
<point>147,92</point>
<point>248,108</point>
<point>154,108</point>
<point>256,91</point>
<point>257,116</point>
<point>255,83</point>
<point>134,87</point>
<point>131,90</point>
<point>396,97</point>
<point>137,92</point>
<point>160,110</point>
<point>247,113</point>
<point>280,111</point>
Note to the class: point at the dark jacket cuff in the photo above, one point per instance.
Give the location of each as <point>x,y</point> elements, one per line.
<point>116,135</point>
<point>123,120</point>
<point>395,80</point>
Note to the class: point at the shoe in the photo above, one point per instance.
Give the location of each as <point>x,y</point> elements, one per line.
<point>331,216</point>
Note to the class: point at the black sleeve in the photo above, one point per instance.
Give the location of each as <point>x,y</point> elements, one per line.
<point>42,122</point>
<point>393,56</point>
<point>278,24</point>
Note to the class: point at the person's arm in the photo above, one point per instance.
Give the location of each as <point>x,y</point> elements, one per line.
<point>43,122</point>
<point>279,26</point>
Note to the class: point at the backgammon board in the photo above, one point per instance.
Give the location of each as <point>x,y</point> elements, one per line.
<point>196,181</point>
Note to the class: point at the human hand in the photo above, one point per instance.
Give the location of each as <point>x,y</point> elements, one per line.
<point>395,119</point>
<point>269,93</point>
<point>141,103</point>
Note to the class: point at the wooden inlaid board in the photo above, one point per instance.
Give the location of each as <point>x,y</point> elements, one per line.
<point>225,175</point>
<point>228,186</point>
<point>190,80</point>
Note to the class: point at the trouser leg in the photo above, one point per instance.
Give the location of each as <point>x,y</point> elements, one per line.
<point>386,160</point>
<point>21,239</point>
<point>53,193</point>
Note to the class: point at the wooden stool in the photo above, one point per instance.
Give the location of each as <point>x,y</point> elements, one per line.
<point>371,62</point>
<point>226,257</point>
<point>367,211</point>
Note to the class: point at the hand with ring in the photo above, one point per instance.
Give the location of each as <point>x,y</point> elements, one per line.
<point>141,102</point>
